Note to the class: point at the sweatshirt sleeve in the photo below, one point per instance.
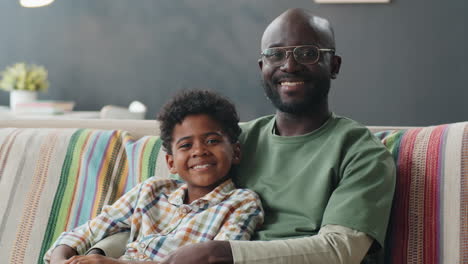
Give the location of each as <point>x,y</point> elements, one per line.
<point>333,244</point>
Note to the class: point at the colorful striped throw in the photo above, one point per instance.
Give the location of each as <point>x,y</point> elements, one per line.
<point>429,221</point>
<point>52,180</point>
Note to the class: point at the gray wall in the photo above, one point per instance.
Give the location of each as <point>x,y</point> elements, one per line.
<point>404,63</point>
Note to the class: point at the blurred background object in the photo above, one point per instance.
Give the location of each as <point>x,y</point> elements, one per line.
<point>24,81</point>
<point>35,3</point>
<point>136,110</point>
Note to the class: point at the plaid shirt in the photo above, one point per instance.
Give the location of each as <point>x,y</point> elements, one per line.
<point>159,222</point>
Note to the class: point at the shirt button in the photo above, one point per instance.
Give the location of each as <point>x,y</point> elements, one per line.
<point>184,210</point>
<point>142,245</point>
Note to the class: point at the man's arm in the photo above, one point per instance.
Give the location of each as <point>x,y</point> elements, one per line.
<point>333,244</point>
<point>111,246</point>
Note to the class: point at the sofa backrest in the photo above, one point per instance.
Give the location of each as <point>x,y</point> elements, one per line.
<point>137,128</point>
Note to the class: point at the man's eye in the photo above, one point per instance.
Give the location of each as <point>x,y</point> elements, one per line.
<point>273,54</point>
<point>308,53</point>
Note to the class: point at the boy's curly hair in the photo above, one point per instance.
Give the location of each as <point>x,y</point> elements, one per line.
<point>195,102</point>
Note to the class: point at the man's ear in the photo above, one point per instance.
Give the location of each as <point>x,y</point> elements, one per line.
<point>335,66</point>
<point>236,158</point>
<point>260,63</point>
<point>170,164</point>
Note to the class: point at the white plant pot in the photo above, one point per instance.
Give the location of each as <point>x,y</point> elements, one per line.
<point>18,96</point>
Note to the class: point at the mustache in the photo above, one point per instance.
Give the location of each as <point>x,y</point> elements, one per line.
<point>276,79</point>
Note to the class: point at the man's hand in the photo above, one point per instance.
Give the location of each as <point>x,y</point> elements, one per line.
<point>211,252</point>
<point>92,259</point>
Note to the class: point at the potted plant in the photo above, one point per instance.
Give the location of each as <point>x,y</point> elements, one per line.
<point>24,81</point>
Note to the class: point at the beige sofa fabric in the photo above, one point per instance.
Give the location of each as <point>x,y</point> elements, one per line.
<point>137,128</point>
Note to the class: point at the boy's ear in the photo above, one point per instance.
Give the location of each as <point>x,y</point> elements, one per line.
<point>237,153</point>
<point>170,164</point>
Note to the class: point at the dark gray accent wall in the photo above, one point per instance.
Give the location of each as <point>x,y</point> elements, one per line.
<point>404,63</point>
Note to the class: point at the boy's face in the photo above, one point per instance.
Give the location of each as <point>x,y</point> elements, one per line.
<point>201,153</point>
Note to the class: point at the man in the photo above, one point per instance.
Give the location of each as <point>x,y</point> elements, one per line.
<point>325,182</point>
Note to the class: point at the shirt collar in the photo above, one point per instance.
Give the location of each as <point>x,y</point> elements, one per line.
<point>210,199</point>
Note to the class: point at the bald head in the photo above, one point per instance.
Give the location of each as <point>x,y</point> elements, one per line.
<point>301,26</point>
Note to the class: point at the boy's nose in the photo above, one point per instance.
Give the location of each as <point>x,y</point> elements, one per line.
<point>199,150</point>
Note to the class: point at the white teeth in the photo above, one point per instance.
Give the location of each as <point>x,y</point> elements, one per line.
<point>201,166</point>
<point>291,83</point>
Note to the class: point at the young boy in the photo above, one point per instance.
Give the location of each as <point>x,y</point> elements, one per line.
<point>199,130</point>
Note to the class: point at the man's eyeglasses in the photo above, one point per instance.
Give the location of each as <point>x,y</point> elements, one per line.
<point>308,54</point>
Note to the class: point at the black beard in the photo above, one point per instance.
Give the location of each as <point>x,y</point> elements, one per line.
<point>311,103</point>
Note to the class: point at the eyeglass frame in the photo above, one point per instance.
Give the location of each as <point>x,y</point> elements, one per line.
<point>320,50</point>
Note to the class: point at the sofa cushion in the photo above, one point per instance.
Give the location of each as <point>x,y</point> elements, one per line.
<point>429,216</point>
<point>52,180</point>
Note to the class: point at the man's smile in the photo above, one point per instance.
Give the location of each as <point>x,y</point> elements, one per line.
<point>291,83</point>
<point>292,86</point>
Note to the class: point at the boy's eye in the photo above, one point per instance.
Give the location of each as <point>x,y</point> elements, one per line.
<point>212,141</point>
<point>185,146</point>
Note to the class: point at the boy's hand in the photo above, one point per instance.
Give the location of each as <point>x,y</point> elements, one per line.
<point>61,254</point>
<point>92,259</point>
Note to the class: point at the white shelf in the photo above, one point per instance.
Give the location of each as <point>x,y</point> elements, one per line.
<point>5,114</point>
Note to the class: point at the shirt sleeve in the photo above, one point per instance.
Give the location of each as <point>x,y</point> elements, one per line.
<point>113,246</point>
<point>333,244</point>
<point>113,219</point>
<point>365,189</point>
<point>246,216</point>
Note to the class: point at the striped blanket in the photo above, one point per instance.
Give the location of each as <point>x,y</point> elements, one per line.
<point>429,220</point>
<point>52,180</point>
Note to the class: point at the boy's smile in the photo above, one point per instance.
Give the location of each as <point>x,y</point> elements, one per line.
<point>201,154</point>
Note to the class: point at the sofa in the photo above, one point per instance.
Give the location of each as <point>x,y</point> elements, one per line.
<point>57,174</point>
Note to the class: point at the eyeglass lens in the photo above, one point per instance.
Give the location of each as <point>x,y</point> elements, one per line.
<point>304,55</point>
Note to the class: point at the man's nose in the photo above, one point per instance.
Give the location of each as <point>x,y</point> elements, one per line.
<point>290,64</point>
